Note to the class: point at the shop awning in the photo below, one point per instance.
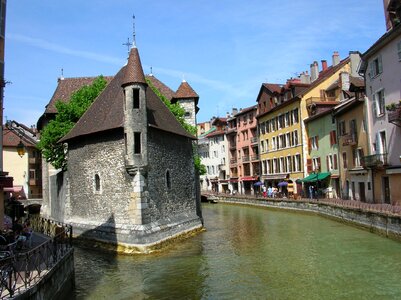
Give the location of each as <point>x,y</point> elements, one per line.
<point>316,177</point>
<point>248,178</point>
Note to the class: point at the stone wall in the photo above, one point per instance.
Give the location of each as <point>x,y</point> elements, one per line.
<point>382,223</point>
<point>105,214</point>
<point>172,154</point>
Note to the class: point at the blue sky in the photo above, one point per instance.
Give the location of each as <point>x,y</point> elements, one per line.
<point>224,49</point>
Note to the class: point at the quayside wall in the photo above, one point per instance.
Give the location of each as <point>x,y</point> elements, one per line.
<point>384,223</point>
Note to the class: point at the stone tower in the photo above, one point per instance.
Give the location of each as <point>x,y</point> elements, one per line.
<point>135,135</point>
<point>188,99</point>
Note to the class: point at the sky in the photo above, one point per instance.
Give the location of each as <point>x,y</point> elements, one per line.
<point>224,49</point>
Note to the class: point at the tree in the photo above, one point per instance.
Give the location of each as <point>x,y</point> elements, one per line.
<point>68,113</point>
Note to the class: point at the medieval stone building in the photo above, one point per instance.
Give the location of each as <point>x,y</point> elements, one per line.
<point>131,179</point>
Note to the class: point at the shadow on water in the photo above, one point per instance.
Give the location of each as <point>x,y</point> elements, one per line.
<point>94,262</point>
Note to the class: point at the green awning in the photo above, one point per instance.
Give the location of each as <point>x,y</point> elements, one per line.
<point>316,177</point>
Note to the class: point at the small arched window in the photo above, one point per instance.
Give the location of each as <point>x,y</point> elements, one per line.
<point>168,179</point>
<point>97,183</point>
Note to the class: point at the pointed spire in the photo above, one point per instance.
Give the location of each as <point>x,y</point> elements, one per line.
<point>133,69</point>
<point>185,91</point>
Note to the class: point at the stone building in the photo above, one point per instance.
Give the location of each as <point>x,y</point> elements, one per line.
<point>131,179</point>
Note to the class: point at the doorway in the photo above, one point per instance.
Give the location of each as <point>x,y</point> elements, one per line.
<point>386,190</point>
<point>362,196</point>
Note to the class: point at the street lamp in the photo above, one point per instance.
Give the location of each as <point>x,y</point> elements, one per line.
<point>20,149</point>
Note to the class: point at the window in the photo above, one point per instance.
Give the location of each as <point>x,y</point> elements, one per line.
<point>274,143</point>
<point>297,159</point>
<point>358,154</point>
<point>316,163</point>
<point>378,103</point>
<point>345,165</point>
<point>97,183</point>
<point>282,166</point>
<point>168,179</point>
<point>32,174</point>
<point>295,115</point>
<point>341,128</point>
<point>137,142</point>
<point>295,138</point>
<point>329,160</point>
<point>376,67</point>
<point>135,98</point>
<point>262,146</point>
<point>289,165</point>
<point>187,114</point>
<point>315,142</point>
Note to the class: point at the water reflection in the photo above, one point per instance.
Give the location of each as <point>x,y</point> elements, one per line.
<point>251,253</point>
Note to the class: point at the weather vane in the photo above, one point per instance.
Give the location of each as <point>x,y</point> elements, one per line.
<point>128,44</point>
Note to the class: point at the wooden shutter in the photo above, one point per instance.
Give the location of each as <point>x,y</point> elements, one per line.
<point>310,144</point>
<point>380,64</point>
<point>317,141</point>
<point>319,165</point>
<point>309,165</point>
<point>327,163</point>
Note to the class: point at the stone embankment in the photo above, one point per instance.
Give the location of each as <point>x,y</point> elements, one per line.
<point>383,219</point>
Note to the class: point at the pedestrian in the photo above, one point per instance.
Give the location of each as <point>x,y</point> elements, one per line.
<point>264,191</point>
<point>269,192</point>
<point>311,189</point>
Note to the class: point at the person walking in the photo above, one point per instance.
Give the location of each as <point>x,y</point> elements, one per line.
<point>311,190</point>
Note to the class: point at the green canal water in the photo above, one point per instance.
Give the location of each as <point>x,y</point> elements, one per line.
<point>251,253</point>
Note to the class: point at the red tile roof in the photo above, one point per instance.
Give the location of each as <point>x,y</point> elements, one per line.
<point>133,72</point>
<point>66,87</point>
<point>185,91</point>
<point>106,112</point>
<point>164,89</point>
<point>11,139</point>
<point>273,87</point>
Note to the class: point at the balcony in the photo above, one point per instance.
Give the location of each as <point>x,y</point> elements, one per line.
<point>233,146</point>
<point>394,117</point>
<point>245,158</point>
<point>374,161</point>
<point>233,162</point>
<point>234,175</point>
<point>315,100</point>
<point>254,140</point>
<point>255,157</point>
<point>350,139</point>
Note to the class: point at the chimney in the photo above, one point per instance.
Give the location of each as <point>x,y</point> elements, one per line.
<point>314,71</point>
<point>324,65</point>
<point>344,81</point>
<point>336,58</point>
<point>355,60</point>
<point>305,78</point>
<point>234,111</point>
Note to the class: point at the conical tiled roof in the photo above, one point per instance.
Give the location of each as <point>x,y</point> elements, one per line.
<point>133,71</point>
<point>185,91</point>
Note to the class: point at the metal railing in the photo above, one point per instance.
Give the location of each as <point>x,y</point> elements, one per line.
<point>350,139</point>
<point>22,269</point>
<point>395,117</point>
<point>245,158</point>
<point>373,161</point>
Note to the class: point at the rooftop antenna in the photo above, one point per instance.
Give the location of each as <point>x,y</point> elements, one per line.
<point>151,71</point>
<point>128,44</point>
<point>133,32</point>
<point>62,74</point>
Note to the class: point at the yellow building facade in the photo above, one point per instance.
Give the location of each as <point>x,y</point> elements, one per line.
<point>280,145</point>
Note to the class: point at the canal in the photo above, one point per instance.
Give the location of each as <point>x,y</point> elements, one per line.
<point>251,253</point>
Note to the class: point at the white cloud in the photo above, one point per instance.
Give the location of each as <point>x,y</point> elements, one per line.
<point>46,45</point>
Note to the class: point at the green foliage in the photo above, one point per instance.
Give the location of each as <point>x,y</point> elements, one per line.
<point>179,113</point>
<point>175,108</point>
<point>67,115</point>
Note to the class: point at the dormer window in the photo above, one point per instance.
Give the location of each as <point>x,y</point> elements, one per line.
<point>135,98</point>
